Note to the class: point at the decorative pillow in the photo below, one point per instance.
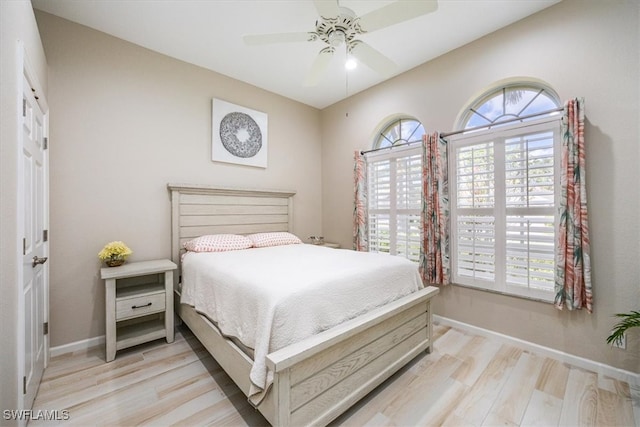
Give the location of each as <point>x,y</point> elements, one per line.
<point>263,240</point>
<point>218,243</point>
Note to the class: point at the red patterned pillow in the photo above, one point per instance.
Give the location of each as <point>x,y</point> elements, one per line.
<point>218,243</point>
<point>263,240</point>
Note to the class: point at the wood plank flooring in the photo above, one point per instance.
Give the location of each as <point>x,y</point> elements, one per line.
<point>466,381</point>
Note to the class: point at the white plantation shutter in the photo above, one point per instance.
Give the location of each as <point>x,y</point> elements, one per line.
<point>529,170</point>
<point>395,200</point>
<point>408,205</point>
<point>379,233</point>
<point>530,251</point>
<point>476,176</point>
<point>530,201</point>
<point>476,247</point>
<point>379,196</point>
<point>476,199</point>
<point>503,211</point>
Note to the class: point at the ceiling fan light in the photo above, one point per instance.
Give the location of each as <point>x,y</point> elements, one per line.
<point>336,38</point>
<point>351,63</point>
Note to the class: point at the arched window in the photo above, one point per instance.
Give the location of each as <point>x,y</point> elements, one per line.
<point>518,100</point>
<point>504,181</point>
<point>394,187</point>
<point>399,131</point>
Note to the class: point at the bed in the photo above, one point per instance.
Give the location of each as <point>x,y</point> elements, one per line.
<point>315,379</point>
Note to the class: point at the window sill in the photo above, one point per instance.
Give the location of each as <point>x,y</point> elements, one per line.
<point>539,296</point>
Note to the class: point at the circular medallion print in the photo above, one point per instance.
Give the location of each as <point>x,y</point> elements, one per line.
<point>240,135</point>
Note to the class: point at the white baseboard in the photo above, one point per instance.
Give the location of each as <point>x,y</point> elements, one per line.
<point>82,345</point>
<point>591,365</point>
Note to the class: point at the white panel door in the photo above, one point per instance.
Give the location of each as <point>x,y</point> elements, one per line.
<point>34,297</point>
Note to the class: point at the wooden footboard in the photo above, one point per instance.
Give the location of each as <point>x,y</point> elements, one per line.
<point>317,379</point>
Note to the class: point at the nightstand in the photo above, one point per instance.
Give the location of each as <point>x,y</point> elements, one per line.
<point>139,304</point>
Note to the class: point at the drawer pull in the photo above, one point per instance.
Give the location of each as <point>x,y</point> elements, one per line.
<point>133,307</point>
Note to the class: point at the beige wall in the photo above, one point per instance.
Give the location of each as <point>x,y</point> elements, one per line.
<point>125,121</point>
<point>17,23</point>
<point>580,48</point>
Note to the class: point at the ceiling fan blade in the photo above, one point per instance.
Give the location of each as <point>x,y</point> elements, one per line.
<point>394,13</point>
<point>372,58</point>
<point>327,8</point>
<point>260,39</point>
<point>319,67</point>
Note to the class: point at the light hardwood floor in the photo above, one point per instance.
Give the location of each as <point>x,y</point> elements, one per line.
<point>466,381</point>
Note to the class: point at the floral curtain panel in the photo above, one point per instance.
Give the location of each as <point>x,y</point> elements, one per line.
<point>434,250</point>
<point>573,262</point>
<point>360,232</point>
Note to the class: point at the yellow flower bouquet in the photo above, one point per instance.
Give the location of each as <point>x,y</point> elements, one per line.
<point>114,253</point>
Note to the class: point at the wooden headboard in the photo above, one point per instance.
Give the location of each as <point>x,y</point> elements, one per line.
<point>197,210</point>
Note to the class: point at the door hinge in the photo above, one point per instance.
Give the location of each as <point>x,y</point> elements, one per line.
<point>24,246</point>
<point>46,142</point>
<point>24,385</point>
<point>45,235</point>
<point>24,107</point>
<point>45,328</point>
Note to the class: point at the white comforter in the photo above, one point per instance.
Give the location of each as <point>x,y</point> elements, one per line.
<point>271,297</point>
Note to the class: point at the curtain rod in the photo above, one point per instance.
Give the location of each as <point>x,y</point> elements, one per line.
<point>515,119</point>
<point>391,146</point>
<point>444,135</point>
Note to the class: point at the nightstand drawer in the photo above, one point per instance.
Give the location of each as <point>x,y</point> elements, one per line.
<point>139,305</point>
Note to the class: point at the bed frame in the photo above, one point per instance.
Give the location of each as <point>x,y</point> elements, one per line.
<point>317,379</point>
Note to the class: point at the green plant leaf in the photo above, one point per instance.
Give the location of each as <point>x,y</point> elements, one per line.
<point>628,320</point>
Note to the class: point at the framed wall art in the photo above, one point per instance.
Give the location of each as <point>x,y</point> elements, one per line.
<point>239,135</point>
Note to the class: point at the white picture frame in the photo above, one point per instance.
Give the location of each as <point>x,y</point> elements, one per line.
<point>239,134</point>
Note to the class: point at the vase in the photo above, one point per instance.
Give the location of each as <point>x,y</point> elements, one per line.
<point>114,262</point>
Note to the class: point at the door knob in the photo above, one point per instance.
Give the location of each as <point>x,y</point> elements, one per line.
<point>37,261</point>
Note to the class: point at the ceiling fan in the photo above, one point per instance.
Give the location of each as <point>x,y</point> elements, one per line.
<point>339,25</point>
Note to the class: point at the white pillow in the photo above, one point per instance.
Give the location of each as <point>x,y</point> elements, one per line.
<point>263,240</point>
<point>218,243</point>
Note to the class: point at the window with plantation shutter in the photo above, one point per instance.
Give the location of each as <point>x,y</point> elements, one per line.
<point>503,207</point>
<point>395,199</point>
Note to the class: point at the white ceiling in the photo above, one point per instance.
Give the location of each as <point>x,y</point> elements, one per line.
<point>209,33</point>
